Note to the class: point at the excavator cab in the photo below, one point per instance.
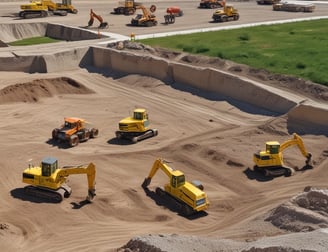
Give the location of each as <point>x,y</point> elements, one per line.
<point>48,166</point>
<point>178,179</point>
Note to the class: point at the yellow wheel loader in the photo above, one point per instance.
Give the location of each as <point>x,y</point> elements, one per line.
<point>147,18</point>
<point>270,162</point>
<point>135,128</point>
<point>190,197</point>
<point>48,181</point>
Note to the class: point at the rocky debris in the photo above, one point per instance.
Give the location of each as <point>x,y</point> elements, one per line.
<point>306,211</point>
<point>315,241</point>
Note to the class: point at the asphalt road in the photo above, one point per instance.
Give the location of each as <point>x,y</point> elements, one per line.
<point>194,19</point>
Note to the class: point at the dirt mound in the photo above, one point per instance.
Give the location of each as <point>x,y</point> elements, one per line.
<point>304,212</point>
<point>33,91</point>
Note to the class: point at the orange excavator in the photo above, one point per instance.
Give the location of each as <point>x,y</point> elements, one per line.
<point>103,25</point>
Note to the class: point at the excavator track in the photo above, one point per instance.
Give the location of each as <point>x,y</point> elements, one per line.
<point>275,171</point>
<point>33,14</point>
<point>183,208</point>
<point>55,196</point>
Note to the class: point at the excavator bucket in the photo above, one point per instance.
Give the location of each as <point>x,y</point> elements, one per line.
<point>308,160</point>
<point>146,183</point>
<point>91,195</point>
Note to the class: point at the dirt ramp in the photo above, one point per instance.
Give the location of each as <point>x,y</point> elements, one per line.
<point>37,89</point>
<point>308,119</point>
<point>69,33</point>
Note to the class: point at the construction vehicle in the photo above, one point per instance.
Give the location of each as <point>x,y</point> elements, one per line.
<point>48,181</point>
<point>267,2</point>
<point>210,4</point>
<point>293,7</point>
<point>135,128</point>
<point>44,8</point>
<point>190,197</point>
<point>147,18</point>
<point>73,131</point>
<point>227,13</point>
<point>270,162</point>
<point>128,7</point>
<point>172,13</point>
<point>102,25</point>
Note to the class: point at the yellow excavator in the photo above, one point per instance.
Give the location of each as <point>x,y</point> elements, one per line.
<point>42,8</point>
<point>270,162</point>
<point>190,197</point>
<point>147,18</point>
<point>135,128</point>
<point>48,181</point>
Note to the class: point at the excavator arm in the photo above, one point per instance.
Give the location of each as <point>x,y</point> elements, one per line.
<point>297,140</point>
<point>90,171</point>
<point>159,164</point>
<point>94,16</point>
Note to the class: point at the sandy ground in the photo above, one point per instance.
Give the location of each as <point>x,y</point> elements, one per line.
<point>211,140</point>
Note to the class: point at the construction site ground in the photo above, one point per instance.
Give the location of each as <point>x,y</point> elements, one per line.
<point>209,136</point>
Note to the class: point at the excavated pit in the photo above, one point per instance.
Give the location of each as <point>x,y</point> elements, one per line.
<point>304,115</point>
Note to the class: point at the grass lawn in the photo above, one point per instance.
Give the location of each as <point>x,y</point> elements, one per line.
<point>34,41</point>
<point>298,48</point>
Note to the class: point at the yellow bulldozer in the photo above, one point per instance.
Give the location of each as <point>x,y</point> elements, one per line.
<point>43,8</point>
<point>128,7</point>
<point>135,128</point>
<point>270,161</point>
<point>48,181</point>
<point>228,13</point>
<point>189,197</point>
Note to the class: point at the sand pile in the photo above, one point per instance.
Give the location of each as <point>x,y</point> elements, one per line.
<point>306,242</point>
<point>304,212</point>
<point>33,91</point>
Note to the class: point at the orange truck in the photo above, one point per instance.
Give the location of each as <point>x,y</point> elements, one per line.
<point>73,131</point>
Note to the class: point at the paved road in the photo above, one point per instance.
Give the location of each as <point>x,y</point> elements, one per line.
<point>194,19</point>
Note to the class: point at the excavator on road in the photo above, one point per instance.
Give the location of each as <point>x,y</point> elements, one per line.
<point>48,181</point>
<point>93,16</point>
<point>135,128</point>
<point>270,162</point>
<point>147,18</point>
<point>189,197</point>
<point>43,8</point>
<point>128,7</point>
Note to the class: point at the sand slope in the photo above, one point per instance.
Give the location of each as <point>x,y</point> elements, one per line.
<point>210,137</point>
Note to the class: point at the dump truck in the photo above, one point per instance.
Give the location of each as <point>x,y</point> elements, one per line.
<point>293,7</point>
<point>74,130</point>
